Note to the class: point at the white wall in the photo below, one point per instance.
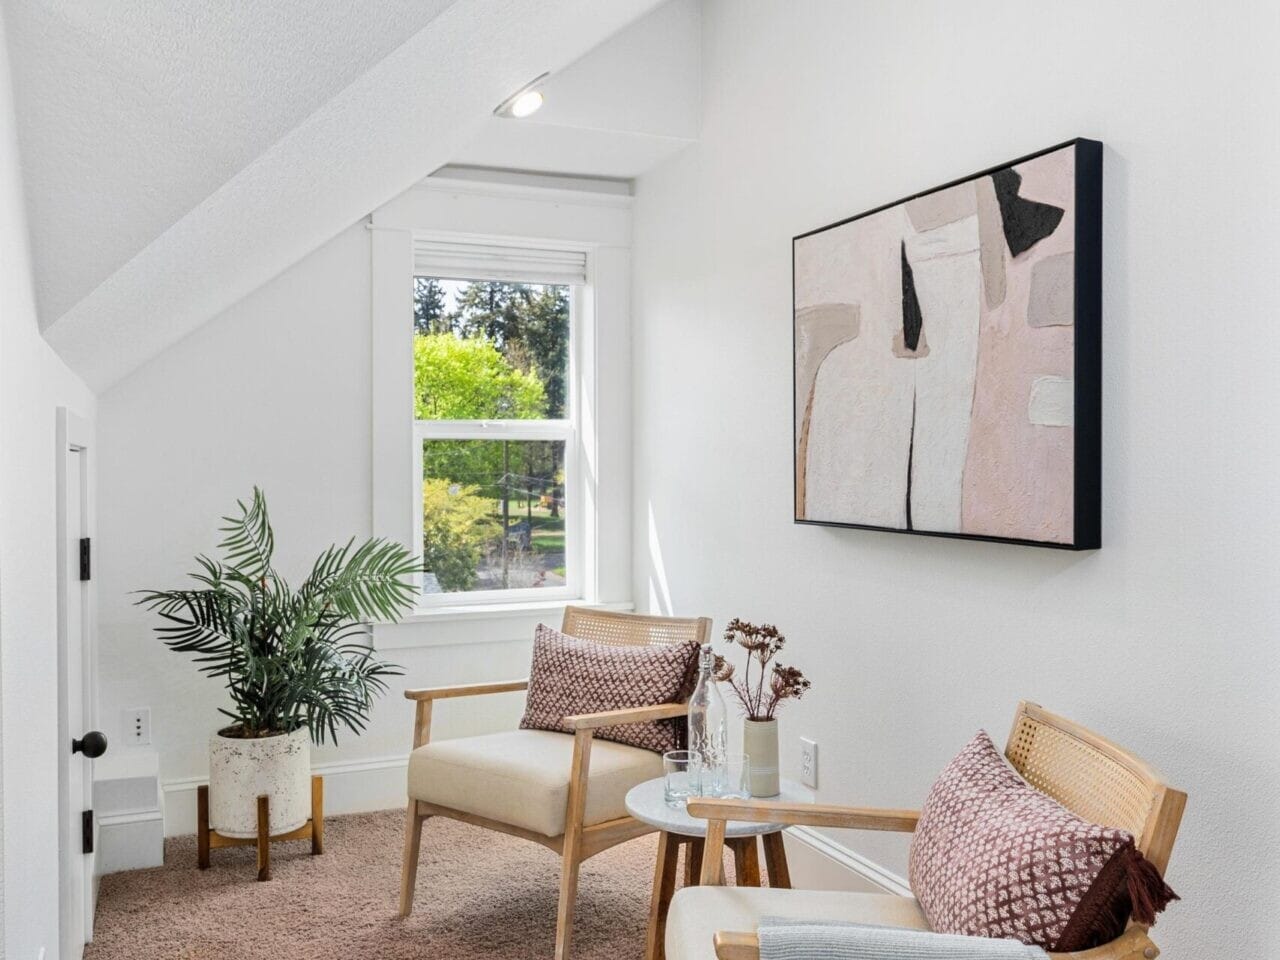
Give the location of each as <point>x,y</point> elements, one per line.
<point>1164,639</point>
<point>277,391</point>
<point>33,384</point>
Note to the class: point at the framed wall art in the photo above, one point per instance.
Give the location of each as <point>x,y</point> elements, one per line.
<point>948,358</point>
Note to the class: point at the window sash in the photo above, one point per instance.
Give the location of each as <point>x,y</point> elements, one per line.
<point>511,430</point>
<point>493,430</point>
<point>576,520</point>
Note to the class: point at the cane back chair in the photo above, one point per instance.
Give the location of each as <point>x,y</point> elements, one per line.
<point>1086,773</point>
<point>540,785</point>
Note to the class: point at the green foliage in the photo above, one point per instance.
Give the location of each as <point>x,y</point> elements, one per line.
<point>456,526</point>
<point>528,323</point>
<point>469,379</point>
<point>290,658</point>
<point>428,306</point>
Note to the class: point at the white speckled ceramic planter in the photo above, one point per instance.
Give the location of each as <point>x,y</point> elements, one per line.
<point>242,770</point>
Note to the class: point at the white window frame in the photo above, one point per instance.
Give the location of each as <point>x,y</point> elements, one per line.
<point>529,213</point>
<point>567,431</point>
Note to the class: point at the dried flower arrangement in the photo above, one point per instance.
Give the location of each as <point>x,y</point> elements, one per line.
<point>761,695</point>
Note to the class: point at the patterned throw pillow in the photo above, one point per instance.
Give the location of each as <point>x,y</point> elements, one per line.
<point>571,676</point>
<point>994,857</point>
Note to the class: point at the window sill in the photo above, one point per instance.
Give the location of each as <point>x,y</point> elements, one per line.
<point>500,611</point>
<point>472,623</point>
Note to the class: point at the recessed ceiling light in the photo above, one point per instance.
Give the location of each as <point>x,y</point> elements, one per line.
<point>527,103</point>
<point>524,102</point>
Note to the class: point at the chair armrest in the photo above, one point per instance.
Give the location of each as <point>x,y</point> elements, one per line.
<point>806,814</point>
<point>584,726</point>
<point>426,698</point>
<point>1133,944</point>
<point>466,690</point>
<point>613,718</point>
<point>718,813</point>
<point>737,946</point>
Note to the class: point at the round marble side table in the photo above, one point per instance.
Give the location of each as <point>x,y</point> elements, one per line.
<point>677,829</point>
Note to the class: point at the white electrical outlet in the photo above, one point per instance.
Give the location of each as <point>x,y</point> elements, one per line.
<point>137,726</point>
<point>809,762</point>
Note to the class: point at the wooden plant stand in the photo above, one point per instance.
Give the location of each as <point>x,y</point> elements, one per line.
<point>208,839</point>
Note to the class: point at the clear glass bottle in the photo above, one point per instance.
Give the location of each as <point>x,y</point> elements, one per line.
<point>708,723</point>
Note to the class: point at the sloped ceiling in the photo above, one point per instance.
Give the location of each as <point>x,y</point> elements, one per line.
<point>178,155</point>
<point>627,105</point>
<point>131,117</point>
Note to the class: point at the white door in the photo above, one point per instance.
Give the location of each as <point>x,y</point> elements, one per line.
<point>77,744</point>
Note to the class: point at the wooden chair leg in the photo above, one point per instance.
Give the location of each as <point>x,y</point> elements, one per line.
<point>409,863</point>
<point>746,861</point>
<point>264,837</point>
<point>713,854</point>
<point>202,827</point>
<point>775,859</point>
<point>664,888</point>
<point>568,894</point>
<point>317,816</point>
<point>693,861</point>
<point>572,856</point>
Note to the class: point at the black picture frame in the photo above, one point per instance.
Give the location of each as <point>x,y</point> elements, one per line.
<point>1087,319</point>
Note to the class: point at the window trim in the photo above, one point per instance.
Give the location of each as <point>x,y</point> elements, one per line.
<point>508,211</point>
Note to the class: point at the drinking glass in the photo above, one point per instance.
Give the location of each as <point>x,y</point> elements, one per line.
<point>683,775</point>
<point>731,777</point>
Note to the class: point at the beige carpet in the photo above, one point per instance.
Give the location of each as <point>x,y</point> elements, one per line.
<point>480,894</point>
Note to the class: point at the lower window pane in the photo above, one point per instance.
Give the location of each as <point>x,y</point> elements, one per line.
<point>493,515</point>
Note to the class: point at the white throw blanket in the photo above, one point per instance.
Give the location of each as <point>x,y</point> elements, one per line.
<point>788,939</point>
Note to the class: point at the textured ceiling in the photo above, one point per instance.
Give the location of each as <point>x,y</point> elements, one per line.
<point>131,114</point>
<point>174,159</point>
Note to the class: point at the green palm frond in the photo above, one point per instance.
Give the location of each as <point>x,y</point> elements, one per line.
<point>250,541</point>
<point>370,582</point>
<point>289,658</point>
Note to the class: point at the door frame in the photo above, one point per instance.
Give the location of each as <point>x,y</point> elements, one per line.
<point>74,445</point>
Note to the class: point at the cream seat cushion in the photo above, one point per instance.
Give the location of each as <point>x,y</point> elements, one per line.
<point>698,912</point>
<point>521,778</point>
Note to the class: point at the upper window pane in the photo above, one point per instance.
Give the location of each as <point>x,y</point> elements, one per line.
<point>490,350</point>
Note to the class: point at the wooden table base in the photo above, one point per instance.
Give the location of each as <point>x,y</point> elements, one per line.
<point>209,839</point>
<point>746,860</point>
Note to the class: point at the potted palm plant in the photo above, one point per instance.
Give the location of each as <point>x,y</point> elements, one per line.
<point>296,662</point>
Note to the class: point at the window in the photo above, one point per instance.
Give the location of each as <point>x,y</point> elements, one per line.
<point>563,472</point>
<point>495,429</point>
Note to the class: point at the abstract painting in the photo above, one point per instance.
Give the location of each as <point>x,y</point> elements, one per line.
<point>948,358</point>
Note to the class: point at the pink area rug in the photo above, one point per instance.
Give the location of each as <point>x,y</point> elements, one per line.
<point>479,894</point>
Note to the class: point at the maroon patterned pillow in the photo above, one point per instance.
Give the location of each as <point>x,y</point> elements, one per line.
<point>571,676</point>
<point>994,857</point>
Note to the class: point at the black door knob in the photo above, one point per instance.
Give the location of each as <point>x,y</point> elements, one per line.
<point>92,745</point>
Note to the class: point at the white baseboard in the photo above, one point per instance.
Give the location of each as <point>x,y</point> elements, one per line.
<point>854,862</point>
<point>129,841</point>
<point>350,786</point>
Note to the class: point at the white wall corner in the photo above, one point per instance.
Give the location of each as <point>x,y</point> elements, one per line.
<point>860,868</point>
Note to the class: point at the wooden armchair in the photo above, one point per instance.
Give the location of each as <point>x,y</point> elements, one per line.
<point>1095,778</point>
<point>536,784</point>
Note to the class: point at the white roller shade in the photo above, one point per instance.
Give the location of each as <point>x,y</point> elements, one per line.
<point>482,261</point>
